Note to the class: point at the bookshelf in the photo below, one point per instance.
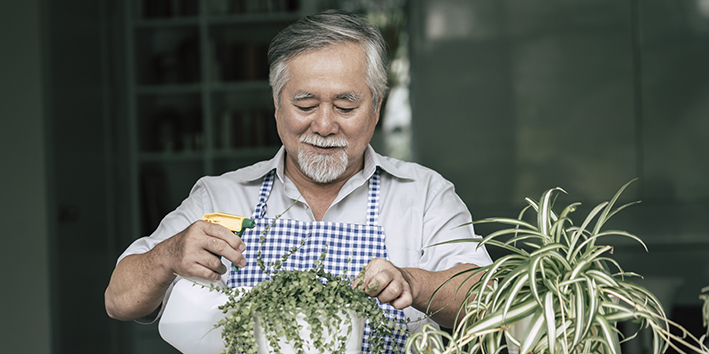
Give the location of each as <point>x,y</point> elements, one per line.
<point>199,102</point>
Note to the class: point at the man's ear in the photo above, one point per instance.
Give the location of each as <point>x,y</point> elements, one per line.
<point>275,106</point>
<point>379,110</point>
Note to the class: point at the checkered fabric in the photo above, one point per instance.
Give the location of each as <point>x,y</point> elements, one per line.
<point>350,247</point>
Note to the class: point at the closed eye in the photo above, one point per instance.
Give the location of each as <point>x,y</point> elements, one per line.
<point>345,110</point>
<point>305,108</point>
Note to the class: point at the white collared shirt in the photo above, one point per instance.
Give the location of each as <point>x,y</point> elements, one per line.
<point>417,208</point>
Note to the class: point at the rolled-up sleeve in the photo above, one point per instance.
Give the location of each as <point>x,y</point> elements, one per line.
<point>447,218</point>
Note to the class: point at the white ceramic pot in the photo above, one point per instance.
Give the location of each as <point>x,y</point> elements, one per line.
<point>187,323</point>
<point>188,320</point>
<point>353,345</point>
<point>518,330</point>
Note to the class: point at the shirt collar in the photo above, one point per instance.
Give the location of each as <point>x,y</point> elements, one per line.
<point>260,169</point>
<point>372,160</point>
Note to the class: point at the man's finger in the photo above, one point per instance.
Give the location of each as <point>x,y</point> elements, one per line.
<point>225,243</point>
<point>221,232</point>
<point>403,301</point>
<point>391,292</point>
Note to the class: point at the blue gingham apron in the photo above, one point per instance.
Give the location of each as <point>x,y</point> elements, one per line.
<point>349,246</point>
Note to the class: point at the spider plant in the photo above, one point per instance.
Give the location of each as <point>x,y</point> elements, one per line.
<point>561,281</point>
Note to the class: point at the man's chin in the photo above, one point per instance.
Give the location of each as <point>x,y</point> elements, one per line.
<point>324,175</point>
<point>322,168</point>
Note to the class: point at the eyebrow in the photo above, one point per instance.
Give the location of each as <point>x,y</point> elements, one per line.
<point>348,96</point>
<point>302,95</point>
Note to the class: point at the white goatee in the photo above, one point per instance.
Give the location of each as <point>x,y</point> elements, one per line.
<point>323,168</point>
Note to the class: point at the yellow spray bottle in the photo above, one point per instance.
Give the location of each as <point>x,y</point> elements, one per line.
<point>235,223</point>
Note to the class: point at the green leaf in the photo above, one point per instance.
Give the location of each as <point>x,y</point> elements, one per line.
<point>603,278</point>
<point>548,248</point>
<point>550,319</point>
<point>607,211</point>
<point>579,314</point>
<point>508,221</point>
<point>499,318</point>
<point>622,233</point>
<point>511,277</point>
<point>580,231</point>
<point>609,335</point>
<point>514,292</point>
<point>593,304</point>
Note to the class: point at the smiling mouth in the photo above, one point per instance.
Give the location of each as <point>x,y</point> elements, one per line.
<point>326,149</point>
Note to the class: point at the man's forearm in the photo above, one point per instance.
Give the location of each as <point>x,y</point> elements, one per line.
<point>137,286</point>
<point>446,303</point>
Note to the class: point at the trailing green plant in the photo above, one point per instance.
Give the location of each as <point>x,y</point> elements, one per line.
<point>559,280</point>
<point>318,295</point>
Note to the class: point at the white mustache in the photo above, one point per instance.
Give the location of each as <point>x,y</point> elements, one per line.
<point>324,142</point>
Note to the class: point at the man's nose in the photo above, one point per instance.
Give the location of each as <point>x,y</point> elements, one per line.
<point>325,122</point>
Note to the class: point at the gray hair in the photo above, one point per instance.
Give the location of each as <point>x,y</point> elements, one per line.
<point>324,29</point>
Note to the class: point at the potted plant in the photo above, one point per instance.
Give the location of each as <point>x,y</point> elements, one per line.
<point>558,283</point>
<point>277,311</point>
<point>301,312</point>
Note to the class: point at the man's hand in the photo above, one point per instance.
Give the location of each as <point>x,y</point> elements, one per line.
<point>389,284</point>
<point>404,287</point>
<point>196,250</point>
<point>139,282</point>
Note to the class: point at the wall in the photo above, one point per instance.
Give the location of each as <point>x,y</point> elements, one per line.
<point>520,96</point>
<point>81,104</point>
<point>55,181</point>
<point>24,244</point>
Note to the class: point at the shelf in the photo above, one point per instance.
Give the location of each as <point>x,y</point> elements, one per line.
<point>247,153</point>
<point>163,23</point>
<point>250,19</point>
<point>192,156</point>
<point>168,89</point>
<point>215,20</point>
<point>176,156</point>
<point>259,86</point>
<point>240,86</point>
<point>167,55</point>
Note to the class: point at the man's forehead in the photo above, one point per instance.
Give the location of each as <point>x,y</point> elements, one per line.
<point>336,71</point>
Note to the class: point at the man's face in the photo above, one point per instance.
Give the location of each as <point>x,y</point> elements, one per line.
<point>326,117</point>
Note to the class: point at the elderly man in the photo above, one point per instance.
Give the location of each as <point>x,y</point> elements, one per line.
<point>328,75</point>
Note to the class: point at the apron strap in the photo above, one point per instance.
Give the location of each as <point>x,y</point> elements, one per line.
<point>266,186</point>
<point>373,200</point>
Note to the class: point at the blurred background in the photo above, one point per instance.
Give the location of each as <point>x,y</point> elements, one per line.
<point>110,110</point>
